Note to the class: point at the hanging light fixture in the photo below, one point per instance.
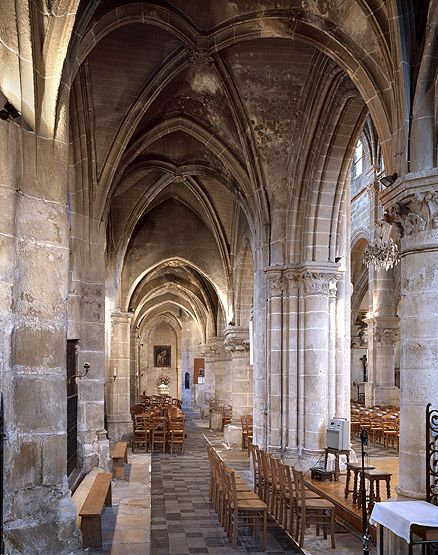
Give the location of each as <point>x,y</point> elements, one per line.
<point>383,252</point>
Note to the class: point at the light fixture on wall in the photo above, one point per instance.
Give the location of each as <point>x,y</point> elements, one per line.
<point>113,378</point>
<point>9,112</point>
<point>388,180</point>
<point>382,253</point>
<point>80,375</point>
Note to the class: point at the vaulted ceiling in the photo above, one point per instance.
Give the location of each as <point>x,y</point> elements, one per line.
<point>221,109</point>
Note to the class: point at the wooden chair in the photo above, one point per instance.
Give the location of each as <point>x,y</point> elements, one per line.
<point>276,497</point>
<point>391,431</point>
<point>256,468</point>
<point>227,415</point>
<point>159,434</point>
<point>266,477</point>
<point>250,507</point>
<point>310,510</point>
<point>176,435</point>
<point>142,432</point>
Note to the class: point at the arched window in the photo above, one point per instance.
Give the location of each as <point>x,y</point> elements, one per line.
<point>357,160</point>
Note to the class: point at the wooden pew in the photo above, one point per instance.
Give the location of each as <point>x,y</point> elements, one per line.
<point>119,455</point>
<point>91,511</point>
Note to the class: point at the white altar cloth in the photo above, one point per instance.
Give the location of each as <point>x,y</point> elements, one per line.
<point>398,516</point>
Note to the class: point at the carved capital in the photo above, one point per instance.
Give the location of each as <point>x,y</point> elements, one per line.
<point>209,351</point>
<point>386,336</point>
<point>275,282</point>
<point>415,213</point>
<point>316,283</point>
<point>292,280</point>
<point>236,340</point>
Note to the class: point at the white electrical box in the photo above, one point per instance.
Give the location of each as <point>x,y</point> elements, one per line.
<point>338,434</point>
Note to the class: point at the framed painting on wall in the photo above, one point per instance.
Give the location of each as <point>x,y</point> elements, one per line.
<point>162,356</point>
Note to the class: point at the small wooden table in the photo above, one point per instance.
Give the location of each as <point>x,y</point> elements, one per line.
<point>375,477</point>
<point>356,468</point>
<point>336,453</point>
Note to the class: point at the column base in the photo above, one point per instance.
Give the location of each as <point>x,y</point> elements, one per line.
<point>386,395</point>
<point>119,427</point>
<point>52,532</point>
<point>376,394</point>
<point>232,435</point>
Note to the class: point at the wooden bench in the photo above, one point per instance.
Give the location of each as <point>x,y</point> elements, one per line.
<point>91,511</point>
<point>119,455</point>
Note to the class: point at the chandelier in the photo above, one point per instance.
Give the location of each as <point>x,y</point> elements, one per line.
<point>383,252</point>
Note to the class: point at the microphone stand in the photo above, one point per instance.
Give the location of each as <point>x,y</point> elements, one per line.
<point>366,538</point>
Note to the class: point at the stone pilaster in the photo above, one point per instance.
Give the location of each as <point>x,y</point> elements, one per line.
<point>118,392</point>
<point>316,344</point>
<point>412,205</point>
<point>236,342</point>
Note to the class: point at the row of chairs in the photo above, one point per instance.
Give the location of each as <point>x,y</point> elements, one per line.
<point>159,400</point>
<point>152,431</point>
<point>234,501</point>
<point>290,502</point>
<point>381,423</point>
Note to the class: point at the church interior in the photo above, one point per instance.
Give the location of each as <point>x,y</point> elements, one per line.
<point>223,215</point>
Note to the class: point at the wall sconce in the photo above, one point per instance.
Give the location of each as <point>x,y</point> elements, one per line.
<point>80,375</point>
<point>388,180</point>
<point>9,112</point>
<point>113,379</point>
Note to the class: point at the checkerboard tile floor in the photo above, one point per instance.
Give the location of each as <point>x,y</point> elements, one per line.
<point>183,521</point>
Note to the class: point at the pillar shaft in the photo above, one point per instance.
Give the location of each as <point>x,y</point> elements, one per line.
<point>236,341</point>
<point>413,206</point>
<point>34,256</point>
<point>316,326</point>
<point>118,392</point>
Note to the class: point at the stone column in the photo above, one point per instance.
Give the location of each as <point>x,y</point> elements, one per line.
<point>223,380</point>
<point>209,353</point>
<point>412,205</point>
<point>316,325</point>
<point>274,357</point>
<point>291,363</point>
<point>39,515</point>
<point>236,342</point>
<point>118,392</point>
<point>383,333</point>
<point>259,369</point>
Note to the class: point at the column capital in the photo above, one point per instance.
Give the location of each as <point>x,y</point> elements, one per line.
<point>319,279</point>
<point>386,330</point>
<point>412,206</point>
<point>236,340</point>
<point>210,349</point>
<point>120,317</point>
<point>292,279</point>
<point>274,276</point>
